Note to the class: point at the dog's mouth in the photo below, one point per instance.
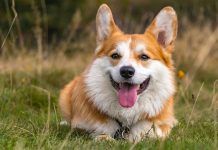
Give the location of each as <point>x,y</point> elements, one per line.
<point>128,92</point>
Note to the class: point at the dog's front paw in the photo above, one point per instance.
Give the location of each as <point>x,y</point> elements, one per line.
<point>134,138</point>
<point>140,131</point>
<point>137,135</point>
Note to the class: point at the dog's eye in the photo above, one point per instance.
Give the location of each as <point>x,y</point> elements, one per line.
<point>115,56</point>
<point>144,57</point>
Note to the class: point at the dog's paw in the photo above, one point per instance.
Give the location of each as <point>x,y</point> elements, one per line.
<point>103,137</point>
<point>140,131</point>
<point>136,136</point>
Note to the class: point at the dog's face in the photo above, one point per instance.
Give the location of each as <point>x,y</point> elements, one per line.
<point>135,62</point>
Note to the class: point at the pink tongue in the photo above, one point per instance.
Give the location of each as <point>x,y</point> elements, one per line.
<point>127,95</point>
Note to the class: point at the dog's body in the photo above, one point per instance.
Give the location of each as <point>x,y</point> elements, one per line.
<point>130,80</point>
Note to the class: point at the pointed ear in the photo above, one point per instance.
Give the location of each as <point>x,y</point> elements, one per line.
<point>164,27</point>
<point>105,25</point>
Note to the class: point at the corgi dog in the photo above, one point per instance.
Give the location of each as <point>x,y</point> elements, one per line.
<point>130,81</point>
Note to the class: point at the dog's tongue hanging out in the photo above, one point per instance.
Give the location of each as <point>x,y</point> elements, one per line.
<point>127,95</point>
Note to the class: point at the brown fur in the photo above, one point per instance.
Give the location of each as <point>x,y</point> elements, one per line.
<point>74,96</point>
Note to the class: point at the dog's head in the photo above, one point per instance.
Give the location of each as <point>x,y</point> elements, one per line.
<point>134,63</point>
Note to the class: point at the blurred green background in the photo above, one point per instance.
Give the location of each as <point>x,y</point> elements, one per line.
<point>55,17</point>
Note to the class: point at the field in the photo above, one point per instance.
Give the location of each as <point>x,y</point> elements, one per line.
<point>32,73</point>
<point>29,90</point>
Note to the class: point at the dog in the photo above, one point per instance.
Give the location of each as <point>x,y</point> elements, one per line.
<point>130,82</point>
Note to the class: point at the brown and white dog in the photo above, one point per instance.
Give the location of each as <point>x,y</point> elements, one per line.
<point>130,81</point>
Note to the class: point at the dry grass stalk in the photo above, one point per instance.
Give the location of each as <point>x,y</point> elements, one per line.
<point>10,28</point>
<point>38,36</point>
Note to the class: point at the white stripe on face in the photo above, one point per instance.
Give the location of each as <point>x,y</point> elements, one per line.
<point>140,48</point>
<point>123,48</point>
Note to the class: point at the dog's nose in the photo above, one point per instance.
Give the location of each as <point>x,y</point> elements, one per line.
<point>127,72</point>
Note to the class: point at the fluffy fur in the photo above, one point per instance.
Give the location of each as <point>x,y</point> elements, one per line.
<point>90,102</point>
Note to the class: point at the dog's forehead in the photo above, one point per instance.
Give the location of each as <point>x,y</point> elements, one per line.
<point>133,43</point>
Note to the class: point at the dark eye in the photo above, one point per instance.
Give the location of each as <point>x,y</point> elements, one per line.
<point>115,56</point>
<point>144,57</point>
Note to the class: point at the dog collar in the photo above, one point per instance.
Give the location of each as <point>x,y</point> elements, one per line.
<point>122,132</point>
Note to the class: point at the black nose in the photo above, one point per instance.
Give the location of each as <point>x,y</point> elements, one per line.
<point>127,72</point>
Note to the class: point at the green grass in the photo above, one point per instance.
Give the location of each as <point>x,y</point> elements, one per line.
<point>29,117</point>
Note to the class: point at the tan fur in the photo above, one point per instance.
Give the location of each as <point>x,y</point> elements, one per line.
<point>75,105</point>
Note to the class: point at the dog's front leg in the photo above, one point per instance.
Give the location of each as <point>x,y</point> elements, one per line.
<point>139,130</point>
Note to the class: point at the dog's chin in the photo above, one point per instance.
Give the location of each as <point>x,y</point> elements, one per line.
<point>141,87</point>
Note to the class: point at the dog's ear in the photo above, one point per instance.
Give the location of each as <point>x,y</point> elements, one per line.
<point>164,27</point>
<point>105,24</point>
